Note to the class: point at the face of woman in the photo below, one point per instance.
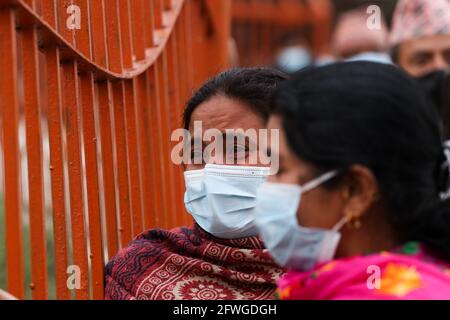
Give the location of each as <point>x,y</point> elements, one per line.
<point>320,207</point>
<point>355,195</point>
<point>221,114</point>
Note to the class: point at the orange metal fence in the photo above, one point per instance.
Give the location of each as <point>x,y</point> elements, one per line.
<point>100,85</point>
<point>260,26</point>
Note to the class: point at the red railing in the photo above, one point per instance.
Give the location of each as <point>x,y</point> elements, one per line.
<point>97,87</point>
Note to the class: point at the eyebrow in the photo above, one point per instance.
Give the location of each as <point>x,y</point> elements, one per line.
<point>421,54</point>
<point>224,137</point>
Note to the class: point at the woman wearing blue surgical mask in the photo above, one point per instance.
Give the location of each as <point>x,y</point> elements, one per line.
<point>359,208</point>
<point>221,257</point>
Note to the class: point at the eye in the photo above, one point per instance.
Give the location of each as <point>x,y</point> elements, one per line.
<point>421,59</point>
<point>239,152</point>
<point>447,56</point>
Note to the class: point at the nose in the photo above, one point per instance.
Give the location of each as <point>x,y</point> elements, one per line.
<point>440,63</point>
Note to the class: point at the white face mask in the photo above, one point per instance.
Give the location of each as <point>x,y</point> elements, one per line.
<point>291,245</point>
<point>222,199</point>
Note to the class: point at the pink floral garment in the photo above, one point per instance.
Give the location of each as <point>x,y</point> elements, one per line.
<point>411,273</point>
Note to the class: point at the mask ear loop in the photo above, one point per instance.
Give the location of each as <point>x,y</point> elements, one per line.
<point>341,223</point>
<point>318,181</point>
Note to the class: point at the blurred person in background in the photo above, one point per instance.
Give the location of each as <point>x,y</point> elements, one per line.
<point>294,55</point>
<point>359,208</point>
<point>353,40</point>
<point>420,44</point>
<point>293,58</point>
<point>420,36</point>
<point>221,257</point>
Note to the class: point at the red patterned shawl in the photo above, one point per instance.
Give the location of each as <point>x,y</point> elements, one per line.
<point>190,264</point>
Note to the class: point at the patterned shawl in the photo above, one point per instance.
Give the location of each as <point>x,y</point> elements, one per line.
<point>190,264</point>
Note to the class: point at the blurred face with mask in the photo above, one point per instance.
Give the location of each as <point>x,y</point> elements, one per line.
<point>362,174</point>
<point>221,185</point>
<point>423,56</point>
<point>420,36</point>
<point>420,45</point>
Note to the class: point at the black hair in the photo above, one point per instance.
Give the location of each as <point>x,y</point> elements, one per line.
<point>436,86</point>
<point>251,86</point>
<point>374,115</point>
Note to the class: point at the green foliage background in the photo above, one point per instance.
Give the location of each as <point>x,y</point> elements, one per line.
<point>27,246</point>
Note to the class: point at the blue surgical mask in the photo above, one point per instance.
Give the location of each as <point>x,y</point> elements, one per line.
<point>222,199</point>
<point>291,245</point>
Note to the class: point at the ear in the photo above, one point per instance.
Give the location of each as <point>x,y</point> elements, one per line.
<point>361,191</point>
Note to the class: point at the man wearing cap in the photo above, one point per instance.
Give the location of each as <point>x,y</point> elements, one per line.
<point>420,36</point>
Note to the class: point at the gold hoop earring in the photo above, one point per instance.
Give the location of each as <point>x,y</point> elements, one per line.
<point>353,222</point>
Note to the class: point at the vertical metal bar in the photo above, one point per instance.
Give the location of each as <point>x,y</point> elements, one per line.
<point>9,108</point>
<point>168,4</point>
<point>149,24</point>
<point>183,78</point>
<point>157,13</point>
<point>83,35</point>
<point>49,12</point>
<point>54,114</point>
<point>160,174</point>
<point>122,162</point>
<point>98,33</point>
<point>62,16</point>
<point>34,156</point>
<point>188,42</point>
<point>83,40</point>
<point>163,112</point>
<point>92,184</point>
<point>113,33</point>
<point>212,41</point>
<point>115,54</point>
<point>54,122</point>
<point>109,184</point>
<point>133,157</point>
<point>72,104</point>
<point>182,55</point>
<point>148,167</point>
<point>125,25</point>
<point>174,112</point>
<point>138,29</point>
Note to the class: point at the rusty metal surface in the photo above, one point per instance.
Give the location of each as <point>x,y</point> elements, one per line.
<point>109,95</point>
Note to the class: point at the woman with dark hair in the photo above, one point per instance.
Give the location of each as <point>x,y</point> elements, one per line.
<point>221,257</point>
<point>358,209</point>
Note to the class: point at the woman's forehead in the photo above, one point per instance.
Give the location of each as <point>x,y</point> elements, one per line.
<point>225,113</point>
